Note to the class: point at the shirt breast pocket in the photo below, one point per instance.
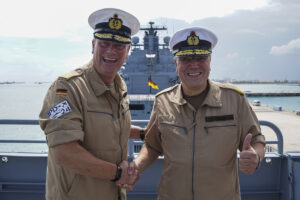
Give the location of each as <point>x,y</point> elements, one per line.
<point>100,129</point>
<point>221,142</point>
<point>175,137</point>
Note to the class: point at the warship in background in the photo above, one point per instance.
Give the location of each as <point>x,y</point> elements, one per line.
<point>148,70</point>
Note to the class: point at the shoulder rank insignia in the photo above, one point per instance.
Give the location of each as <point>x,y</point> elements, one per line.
<point>70,74</point>
<point>166,90</point>
<point>232,87</point>
<point>239,90</point>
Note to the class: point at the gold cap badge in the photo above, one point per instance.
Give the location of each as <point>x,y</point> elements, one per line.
<point>115,22</point>
<point>193,39</point>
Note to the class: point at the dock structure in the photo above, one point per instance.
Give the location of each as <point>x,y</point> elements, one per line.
<point>287,121</point>
<point>272,94</point>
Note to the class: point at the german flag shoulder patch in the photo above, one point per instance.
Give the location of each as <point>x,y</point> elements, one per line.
<point>62,91</point>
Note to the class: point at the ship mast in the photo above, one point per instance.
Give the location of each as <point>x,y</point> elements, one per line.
<point>151,40</point>
<point>151,46</point>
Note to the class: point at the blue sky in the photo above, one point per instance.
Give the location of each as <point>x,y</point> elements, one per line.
<point>39,40</point>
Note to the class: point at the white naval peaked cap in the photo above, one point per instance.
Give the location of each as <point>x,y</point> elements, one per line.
<point>193,41</point>
<point>114,24</point>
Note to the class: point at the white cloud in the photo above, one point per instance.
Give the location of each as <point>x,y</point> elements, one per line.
<point>289,48</point>
<point>232,55</point>
<point>77,61</point>
<point>36,18</point>
<point>252,32</point>
<point>249,60</point>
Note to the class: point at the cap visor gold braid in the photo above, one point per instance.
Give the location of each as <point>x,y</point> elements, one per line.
<point>193,52</point>
<point>112,37</point>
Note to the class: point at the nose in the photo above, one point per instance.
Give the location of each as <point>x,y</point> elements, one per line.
<point>195,62</point>
<point>110,48</point>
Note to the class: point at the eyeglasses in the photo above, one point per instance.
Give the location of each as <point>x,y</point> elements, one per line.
<point>191,59</point>
<point>114,45</point>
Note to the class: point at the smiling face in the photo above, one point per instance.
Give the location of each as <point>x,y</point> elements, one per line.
<point>193,73</point>
<point>108,58</point>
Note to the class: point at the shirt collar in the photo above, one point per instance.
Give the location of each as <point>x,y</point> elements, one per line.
<point>212,99</point>
<point>99,86</point>
<point>178,95</point>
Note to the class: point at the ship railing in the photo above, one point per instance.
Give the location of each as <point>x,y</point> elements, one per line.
<point>134,145</point>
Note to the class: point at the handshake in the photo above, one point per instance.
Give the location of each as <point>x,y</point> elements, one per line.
<point>130,174</point>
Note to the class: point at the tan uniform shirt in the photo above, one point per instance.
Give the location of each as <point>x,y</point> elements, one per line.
<point>200,146</point>
<point>79,107</point>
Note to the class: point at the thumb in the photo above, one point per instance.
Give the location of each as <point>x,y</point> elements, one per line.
<point>246,145</point>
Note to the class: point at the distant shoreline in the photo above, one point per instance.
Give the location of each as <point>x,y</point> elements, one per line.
<point>222,81</point>
<point>21,82</point>
<point>259,82</point>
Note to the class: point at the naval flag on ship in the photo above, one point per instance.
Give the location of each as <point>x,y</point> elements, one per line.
<point>152,84</point>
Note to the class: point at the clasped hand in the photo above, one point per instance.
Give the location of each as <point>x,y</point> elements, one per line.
<point>130,174</point>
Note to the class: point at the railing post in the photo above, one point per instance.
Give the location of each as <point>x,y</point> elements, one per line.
<point>278,134</point>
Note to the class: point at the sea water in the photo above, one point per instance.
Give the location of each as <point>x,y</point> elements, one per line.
<point>291,103</point>
<point>21,101</point>
<point>24,101</point>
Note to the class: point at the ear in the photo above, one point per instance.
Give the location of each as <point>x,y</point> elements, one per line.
<point>93,45</point>
<point>128,48</point>
<point>175,63</point>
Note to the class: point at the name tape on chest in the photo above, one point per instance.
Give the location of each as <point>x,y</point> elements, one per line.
<point>59,110</point>
<point>219,118</point>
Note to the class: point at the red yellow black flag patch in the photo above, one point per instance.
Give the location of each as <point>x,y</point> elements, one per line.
<point>62,91</point>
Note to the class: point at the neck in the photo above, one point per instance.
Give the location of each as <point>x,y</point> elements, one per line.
<point>106,80</point>
<point>193,91</point>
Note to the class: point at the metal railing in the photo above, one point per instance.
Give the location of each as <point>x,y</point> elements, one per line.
<point>278,133</point>
<point>134,145</point>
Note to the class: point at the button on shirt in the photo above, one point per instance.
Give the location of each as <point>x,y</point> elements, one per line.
<point>200,146</point>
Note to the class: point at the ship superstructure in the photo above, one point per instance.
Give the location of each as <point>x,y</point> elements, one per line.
<point>149,68</point>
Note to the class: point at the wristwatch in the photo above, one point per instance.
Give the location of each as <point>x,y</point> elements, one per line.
<point>142,134</point>
<point>118,174</point>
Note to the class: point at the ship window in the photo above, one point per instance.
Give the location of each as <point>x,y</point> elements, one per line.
<point>136,106</point>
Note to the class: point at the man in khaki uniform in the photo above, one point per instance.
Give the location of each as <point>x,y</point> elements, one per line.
<point>198,126</point>
<point>86,118</point>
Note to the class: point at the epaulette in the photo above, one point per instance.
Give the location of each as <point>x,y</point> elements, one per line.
<point>71,74</point>
<point>166,90</point>
<point>231,87</point>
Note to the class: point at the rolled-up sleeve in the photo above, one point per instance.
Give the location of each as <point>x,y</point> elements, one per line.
<point>61,126</point>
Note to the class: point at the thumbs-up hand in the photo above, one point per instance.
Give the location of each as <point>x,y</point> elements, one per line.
<point>248,157</point>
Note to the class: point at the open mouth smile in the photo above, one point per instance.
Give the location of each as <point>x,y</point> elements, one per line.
<point>109,60</point>
<point>194,74</point>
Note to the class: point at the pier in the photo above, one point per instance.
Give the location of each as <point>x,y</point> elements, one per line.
<point>287,121</point>
<point>272,94</point>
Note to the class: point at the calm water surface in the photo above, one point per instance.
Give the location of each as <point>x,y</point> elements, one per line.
<point>24,101</point>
